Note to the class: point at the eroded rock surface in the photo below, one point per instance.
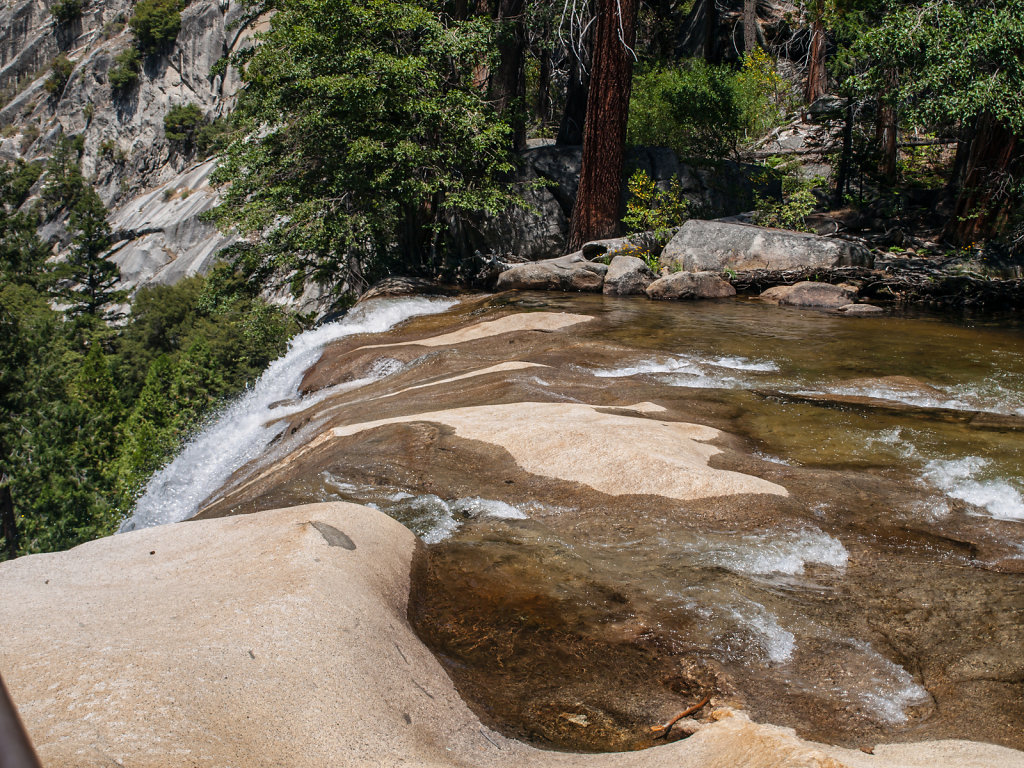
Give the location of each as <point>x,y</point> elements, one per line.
<point>690,285</point>
<point>627,276</point>
<point>262,640</point>
<point>716,246</point>
<point>810,294</point>
<point>566,273</point>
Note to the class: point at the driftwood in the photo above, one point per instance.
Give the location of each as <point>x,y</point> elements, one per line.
<point>904,281</point>
<point>685,713</point>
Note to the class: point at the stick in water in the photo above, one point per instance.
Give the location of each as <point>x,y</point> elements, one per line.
<point>685,713</point>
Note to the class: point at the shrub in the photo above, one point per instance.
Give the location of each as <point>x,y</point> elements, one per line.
<point>797,202</point>
<point>652,209</point>
<point>66,11</point>
<point>182,122</point>
<point>704,111</point>
<point>214,137</point>
<point>156,23</point>
<point>125,72</point>
<point>60,73</point>
<point>693,109</point>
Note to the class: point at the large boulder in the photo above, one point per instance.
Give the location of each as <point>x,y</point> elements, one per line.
<point>566,273</point>
<point>715,246</point>
<point>808,294</point>
<point>627,276</point>
<point>690,285</point>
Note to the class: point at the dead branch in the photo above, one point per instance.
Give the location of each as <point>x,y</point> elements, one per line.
<point>685,713</point>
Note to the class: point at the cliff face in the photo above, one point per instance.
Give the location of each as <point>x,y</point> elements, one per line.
<point>125,149</point>
<point>155,189</point>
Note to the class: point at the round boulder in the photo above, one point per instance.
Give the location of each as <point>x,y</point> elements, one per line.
<point>690,285</point>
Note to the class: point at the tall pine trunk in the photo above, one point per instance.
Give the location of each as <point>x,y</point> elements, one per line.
<point>817,75</point>
<point>995,163</point>
<point>886,131</point>
<point>508,81</point>
<point>595,214</point>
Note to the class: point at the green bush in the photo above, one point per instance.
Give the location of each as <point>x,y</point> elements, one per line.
<point>650,209</point>
<point>798,200</point>
<point>66,11</point>
<point>60,73</point>
<point>700,110</point>
<point>214,137</point>
<point>125,71</point>
<point>156,23</point>
<point>182,123</point>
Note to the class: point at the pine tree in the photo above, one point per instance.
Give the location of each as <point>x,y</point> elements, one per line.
<point>87,279</point>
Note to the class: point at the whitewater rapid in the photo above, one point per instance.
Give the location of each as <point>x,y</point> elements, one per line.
<point>240,433</point>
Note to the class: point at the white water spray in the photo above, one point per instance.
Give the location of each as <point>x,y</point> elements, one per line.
<point>241,432</point>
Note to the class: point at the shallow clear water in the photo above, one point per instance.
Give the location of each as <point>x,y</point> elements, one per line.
<point>880,600</point>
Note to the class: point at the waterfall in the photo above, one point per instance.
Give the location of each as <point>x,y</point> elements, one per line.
<point>240,432</point>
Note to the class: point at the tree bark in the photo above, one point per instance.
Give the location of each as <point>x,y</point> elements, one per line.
<point>749,25</point>
<point>8,523</point>
<point>710,48</point>
<point>995,164</point>
<point>508,81</point>
<point>595,214</point>
<point>570,131</point>
<point>843,175</point>
<point>886,132</point>
<point>817,75</point>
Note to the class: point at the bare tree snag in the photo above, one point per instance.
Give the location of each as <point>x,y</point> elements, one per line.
<point>749,25</point>
<point>595,214</point>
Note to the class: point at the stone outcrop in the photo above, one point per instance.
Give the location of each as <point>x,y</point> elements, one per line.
<point>627,276</point>
<point>289,645</point>
<point>566,273</point>
<point>690,285</point>
<point>716,246</point>
<point>548,180</point>
<point>812,295</point>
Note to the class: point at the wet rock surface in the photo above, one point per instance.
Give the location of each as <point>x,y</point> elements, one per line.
<point>578,611</point>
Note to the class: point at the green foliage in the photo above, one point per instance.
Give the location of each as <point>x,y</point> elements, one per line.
<point>362,134</point>
<point>90,411</point>
<point>66,11</point>
<point>64,180</point>
<point>798,200</point>
<point>87,278</point>
<point>156,24</point>
<point>213,138</point>
<point>60,73</point>
<point>651,209</point>
<point>125,72</point>
<point>957,59</point>
<point>182,122</point>
<point>705,111</point>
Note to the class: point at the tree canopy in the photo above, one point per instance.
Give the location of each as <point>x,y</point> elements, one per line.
<point>364,131</point>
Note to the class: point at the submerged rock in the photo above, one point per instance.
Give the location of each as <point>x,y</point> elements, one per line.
<point>627,276</point>
<point>861,310</point>
<point>716,246</point>
<point>690,285</point>
<point>566,273</point>
<point>812,295</point>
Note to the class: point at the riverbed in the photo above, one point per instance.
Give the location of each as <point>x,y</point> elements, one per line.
<point>626,506</point>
